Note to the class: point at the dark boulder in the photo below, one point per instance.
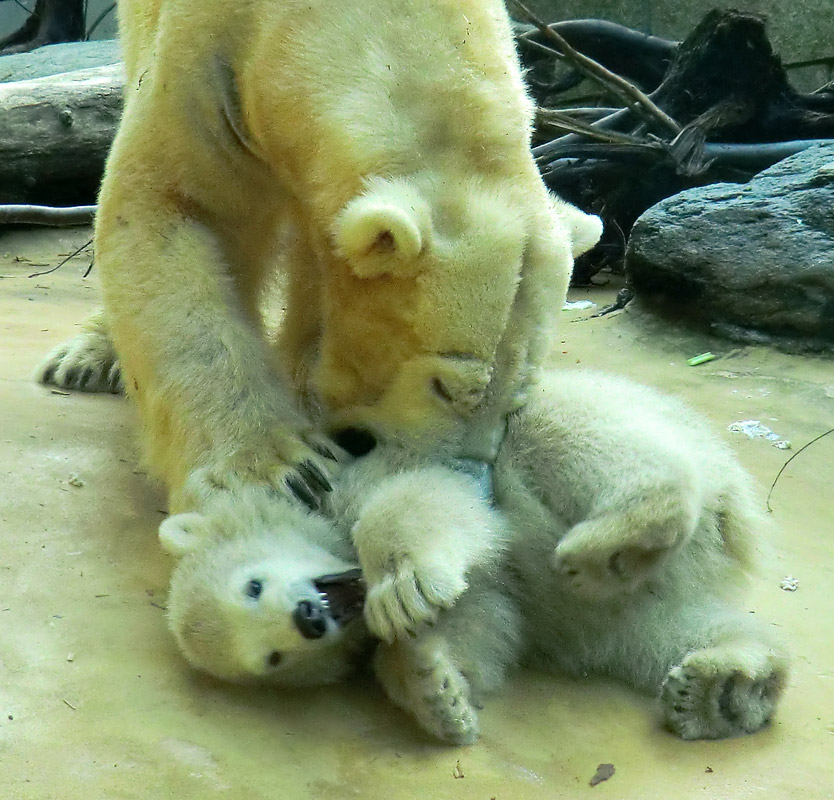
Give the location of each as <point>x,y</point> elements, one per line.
<point>752,261</point>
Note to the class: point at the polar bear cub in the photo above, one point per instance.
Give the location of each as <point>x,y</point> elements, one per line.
<point>621,533</point>
<point>265,589</point>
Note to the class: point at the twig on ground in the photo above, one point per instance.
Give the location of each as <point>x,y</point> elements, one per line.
<point>778,474</point>
<point>71,255</point>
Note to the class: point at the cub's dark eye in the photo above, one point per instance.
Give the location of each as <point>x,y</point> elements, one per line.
<point>273,659</point>
<point>254,588</point>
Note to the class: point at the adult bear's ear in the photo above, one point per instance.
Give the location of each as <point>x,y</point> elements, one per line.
<point>180,534</point>
<point>384,230</point>
<point>585,229</point>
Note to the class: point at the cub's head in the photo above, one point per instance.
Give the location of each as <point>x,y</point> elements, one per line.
<point>257,602</point>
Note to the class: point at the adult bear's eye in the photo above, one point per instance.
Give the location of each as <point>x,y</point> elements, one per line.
<point>254,588</point>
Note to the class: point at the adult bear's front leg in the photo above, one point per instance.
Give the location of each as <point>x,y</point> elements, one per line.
<point>212,407</point>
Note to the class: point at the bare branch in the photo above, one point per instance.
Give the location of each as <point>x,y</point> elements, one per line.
<point>560,120</point>
<point>628,92</point>
<point>50,216</point>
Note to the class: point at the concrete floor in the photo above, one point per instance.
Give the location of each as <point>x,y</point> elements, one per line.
<point>96,703</point>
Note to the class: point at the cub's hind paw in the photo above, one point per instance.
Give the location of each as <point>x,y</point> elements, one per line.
<point>422,679</point>
<point>724,691</point>
<point>613,555</point>
<point>85,363</point>
<point>408,595</point>
<point>597,574</point>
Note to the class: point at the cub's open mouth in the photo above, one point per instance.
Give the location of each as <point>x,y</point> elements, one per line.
<point>344,593</point>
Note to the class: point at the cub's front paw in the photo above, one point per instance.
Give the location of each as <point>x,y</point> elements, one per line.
<point>608,556</point>
<point>722,691</point>
<point>295,465</point>
<point>408,593</point>
<point>422,679</point>
<point>85,363</point>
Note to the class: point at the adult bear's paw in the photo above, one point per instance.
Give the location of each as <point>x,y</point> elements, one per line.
<point>86,363</point>
<point>298,466</point>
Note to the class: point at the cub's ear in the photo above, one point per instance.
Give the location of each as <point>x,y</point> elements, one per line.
<point>585,229</point>
<point>182,533</point>
<point>383,231</point>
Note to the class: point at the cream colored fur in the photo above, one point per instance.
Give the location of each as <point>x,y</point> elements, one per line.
<point>624,532</point>
<point>378,153</point>
<point>223,631</point>
<point>87,362</point>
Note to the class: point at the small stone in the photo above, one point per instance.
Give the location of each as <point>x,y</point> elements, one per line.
<point>789,583</point>
<point>603,773</point>
<point>76,480</point>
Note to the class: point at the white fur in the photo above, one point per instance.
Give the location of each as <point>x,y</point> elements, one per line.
<point>630,524</point>
<point>222,630</point>
<point>630,527</point>
<point>416,563</point>
<point>87,362</point>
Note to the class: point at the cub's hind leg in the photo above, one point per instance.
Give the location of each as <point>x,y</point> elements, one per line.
<point>718,671</point>
<point>86,363</point>
<point>422,679</point>
<point>441,675</point>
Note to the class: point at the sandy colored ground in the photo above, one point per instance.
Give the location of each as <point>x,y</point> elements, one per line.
<point>95,702</point>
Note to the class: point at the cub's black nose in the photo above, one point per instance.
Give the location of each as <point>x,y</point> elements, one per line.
<point>310,619</point>
<point>357,441</point>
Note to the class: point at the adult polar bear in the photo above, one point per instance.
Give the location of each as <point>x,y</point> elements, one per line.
<point>380,150</point>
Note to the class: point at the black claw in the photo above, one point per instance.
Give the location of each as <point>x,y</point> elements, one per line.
<point>70,377</point>
<point>115,380</point>
<point>49,374</point>
<point>85,378</point>
<point>314,476</point>
<point>302,491</point>
<point>323,451</point>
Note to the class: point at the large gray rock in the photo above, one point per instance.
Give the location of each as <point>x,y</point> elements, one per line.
<point>754,261</point>
<point>56,58</point>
